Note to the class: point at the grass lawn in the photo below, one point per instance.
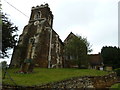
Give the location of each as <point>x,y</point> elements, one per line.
<point>43,76</point>
<point>117,86</point>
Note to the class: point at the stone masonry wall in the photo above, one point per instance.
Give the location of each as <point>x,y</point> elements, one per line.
<point>104,81</point>
<point>85,82</point>
<point>77,82</point>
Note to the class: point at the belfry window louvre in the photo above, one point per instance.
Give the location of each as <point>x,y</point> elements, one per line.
<point>37,15</point>
<point>31,40</point>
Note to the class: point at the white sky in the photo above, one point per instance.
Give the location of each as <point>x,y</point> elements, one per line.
<point>95,19</point>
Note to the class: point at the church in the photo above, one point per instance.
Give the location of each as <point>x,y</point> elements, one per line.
<point>39,41</point>
<point>41,44</point>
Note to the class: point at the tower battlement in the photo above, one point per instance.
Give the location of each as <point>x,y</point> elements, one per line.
<point>41,6</point>
<point>41,12</point>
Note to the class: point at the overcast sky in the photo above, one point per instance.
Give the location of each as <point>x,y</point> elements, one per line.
<point>95,19</point>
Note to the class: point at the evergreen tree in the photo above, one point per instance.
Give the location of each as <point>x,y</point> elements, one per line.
<point>111,56</point>
<point>9,39</point>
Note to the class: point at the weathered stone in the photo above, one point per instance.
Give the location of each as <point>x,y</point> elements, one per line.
<point>39,41</point>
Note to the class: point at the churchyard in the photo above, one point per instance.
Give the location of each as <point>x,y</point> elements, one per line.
<point>42,75</point>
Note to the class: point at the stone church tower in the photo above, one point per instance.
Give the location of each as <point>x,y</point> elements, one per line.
<point>39,41</point>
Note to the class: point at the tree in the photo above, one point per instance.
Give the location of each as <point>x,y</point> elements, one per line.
<point>76,50</point>
<point>9,39</point>
<point>111,56</point>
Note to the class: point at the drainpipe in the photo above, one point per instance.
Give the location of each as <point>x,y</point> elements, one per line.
<point>49,56</point>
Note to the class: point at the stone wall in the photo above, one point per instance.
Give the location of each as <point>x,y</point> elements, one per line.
<point>78,82</point>
<point>104,81</point>
<point>85,82</point>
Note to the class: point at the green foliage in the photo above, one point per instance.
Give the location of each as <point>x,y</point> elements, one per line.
<point>4,64</point>
<point>4,68</point>
<point>117,71</point>
<point>111,56</point>
<point>8,35</point>
<point>43,75</point>
<point>76,49</point>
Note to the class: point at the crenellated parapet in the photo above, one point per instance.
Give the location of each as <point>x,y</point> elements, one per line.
<point>41,6</point>
<point>40,13</point>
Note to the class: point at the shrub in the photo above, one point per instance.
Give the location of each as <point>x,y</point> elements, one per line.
<point>117,71</point>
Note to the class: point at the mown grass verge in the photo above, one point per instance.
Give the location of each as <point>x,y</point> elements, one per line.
<point>43,76</point>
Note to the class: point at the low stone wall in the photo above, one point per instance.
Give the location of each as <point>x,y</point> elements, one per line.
<point>85,82</point>
<point>78,82</point>
<point>104,81</point>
